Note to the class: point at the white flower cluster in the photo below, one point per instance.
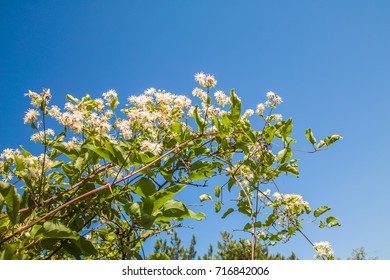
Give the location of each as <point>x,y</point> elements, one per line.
<point>289,207</point>
<point>153,113</point>
<point>31,116</point>
<point>109,96</point>
<point>323,249</point>
<point>82,117</point>
<point>28,166</point>
<point>221,98</point>
<point>207,81</point>
<point>272,101</point>
<point>241,173</point>
<point>40,136</point>
<point>38,98</point>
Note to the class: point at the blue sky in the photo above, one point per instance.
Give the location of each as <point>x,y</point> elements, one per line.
<point>329,60</point>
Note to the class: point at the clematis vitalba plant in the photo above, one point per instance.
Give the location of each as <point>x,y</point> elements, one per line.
<point>107,179</point>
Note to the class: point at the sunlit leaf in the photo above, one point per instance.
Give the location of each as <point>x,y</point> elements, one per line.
<point>12,200</point>
<point>321,210</point>
<point>310,136</point>
<point>204,197</point>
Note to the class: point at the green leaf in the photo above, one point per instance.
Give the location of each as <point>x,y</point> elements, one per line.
<point>52,230</point>
<point>230,210</point>
<point>201,123</point>
<point>288,167</point>
<point>159,256</point>
<point>230,184</point>
<point>12,200</point>
<point>284,155</point>
<point>321,210</point>
<point>26,202</point>
<point>246,127</point>
<point>204,197</point>
<point>114,103</point>
<point>269,133</point>
<point>201,170</point>
<point>285,128</point>
<point>332,221</point>
<point>310,136</point>
<point>80,247</point>
<point>197,216</point>
<point>217,206</point>
<point>9,252</point>
<point>247,227</point>
<point>145,187</point>
<point>329,140</point>
<point>25,153</point>
<point>1,201</point>
<point>175,209</point>
<point>103,152</point>
<point>217,191</point>
<point>137,214</point>
<point>270,220</point>
<point>235,107</point>
<point>161,197</point>
<point>72,99</point>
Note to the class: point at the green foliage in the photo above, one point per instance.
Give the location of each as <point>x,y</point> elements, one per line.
<point>174,250</point>
<point>109,181</point>
<point>9,195</point>
<point>228,249</point>
<point>360,254</point>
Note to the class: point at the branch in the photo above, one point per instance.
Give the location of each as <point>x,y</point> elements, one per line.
<point>107,185</point>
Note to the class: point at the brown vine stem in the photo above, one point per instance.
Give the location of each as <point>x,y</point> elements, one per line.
<point>107,185</point>
<point>43,203</point>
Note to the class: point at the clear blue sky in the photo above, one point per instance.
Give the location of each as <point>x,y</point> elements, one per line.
<point>329,60</point>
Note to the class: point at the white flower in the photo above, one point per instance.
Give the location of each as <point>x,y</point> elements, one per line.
<point>109,95</point>
<point>183,102</point>
<point>7,177</point>
<point>49,132</point>
<point>323,249</point>
<point>54,111</point>
<point>124,127</point>
<point>164,97</point>
<point>221,97</point>
<point>7,154</point>
<point>31,116</point>
<point>270,95</point>
<point>99,104</point>
<point>32,94</point>
<point>278,99</point>
<point>277,195</point>
<point>40,136</point>
<point>150,91</point>
<point>205,80</point>
<point>276,117</point>
<point>200,78</point>
<point>200,93</point>
<point>148,146</point>
<point>260,109</point>
<point>46,94</point>
<point>265,193</point>
<point>72,143</point>
<point>210,81</point>
<point>248,113</point>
